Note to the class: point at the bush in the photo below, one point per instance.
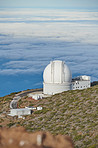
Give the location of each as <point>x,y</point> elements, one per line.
<point>10,124</point>
<point>8,99</point>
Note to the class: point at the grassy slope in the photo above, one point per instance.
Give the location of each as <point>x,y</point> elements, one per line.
<point>72,112</point>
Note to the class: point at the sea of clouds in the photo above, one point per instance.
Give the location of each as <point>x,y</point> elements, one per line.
<point>31,38</point>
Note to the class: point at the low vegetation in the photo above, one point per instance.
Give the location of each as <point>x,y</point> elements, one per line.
<point>72,113</point>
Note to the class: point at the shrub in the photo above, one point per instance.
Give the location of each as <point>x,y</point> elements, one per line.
<point>10,124</point>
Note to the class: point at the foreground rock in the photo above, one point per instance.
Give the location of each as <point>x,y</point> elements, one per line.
<point>18,138</point>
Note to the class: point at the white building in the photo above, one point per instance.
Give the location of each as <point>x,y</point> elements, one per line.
<point>81,82</point>
<point>20,112</point>
<point>34,108</point>
<point>57,78</point>
<point>36,96</point>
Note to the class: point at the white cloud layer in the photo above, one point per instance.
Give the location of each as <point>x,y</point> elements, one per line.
<point>69,26</point>
<point>30,39</point>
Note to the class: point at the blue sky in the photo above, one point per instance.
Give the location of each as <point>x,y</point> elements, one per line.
<point>89,4</point>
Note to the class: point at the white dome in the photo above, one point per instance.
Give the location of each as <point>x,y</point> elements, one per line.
<point>57,72</point>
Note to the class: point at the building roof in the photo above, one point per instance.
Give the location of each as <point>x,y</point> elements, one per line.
<point>81,78</point>
<point>57,72</point>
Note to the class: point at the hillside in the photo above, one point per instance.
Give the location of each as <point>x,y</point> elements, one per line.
<point>72,113</point>
<point>18,137</point>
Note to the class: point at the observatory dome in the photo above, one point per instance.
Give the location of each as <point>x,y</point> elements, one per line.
<point>57,77</point>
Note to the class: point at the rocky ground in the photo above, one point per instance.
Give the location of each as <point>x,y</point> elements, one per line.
<point>72,113</point>
<point>18,138</point>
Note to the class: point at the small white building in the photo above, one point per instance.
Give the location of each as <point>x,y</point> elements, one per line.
<point>30,107</point>
<point>81,82</point>
<point>35,96</point>
<point>20,112</point>
<point>39,108</point>
<point>34,108</point>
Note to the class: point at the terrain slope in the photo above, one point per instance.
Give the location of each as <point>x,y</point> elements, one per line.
<point>72,113</point>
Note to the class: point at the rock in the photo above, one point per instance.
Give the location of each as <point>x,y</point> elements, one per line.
<point>19,138</point>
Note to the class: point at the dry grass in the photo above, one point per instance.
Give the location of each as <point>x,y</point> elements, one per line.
<point>72,112</point>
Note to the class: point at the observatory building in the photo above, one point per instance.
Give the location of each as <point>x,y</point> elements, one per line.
<point>58,78</point>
